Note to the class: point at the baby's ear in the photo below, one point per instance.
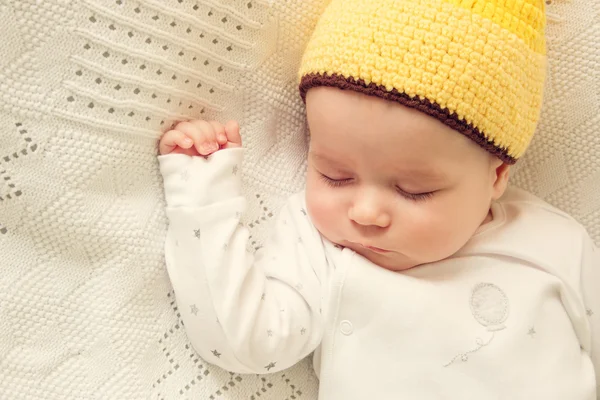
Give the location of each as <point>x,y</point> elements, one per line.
<point>501,172</point>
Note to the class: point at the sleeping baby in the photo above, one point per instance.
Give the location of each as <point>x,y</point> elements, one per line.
<point>406,264</point>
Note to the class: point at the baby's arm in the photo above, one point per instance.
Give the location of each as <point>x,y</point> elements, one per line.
<point>246,314</point>
<point>590,281</point>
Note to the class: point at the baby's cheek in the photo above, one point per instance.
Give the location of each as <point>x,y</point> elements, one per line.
<point>323,208</point>
<point>433,236</point>
<point>319,209</point>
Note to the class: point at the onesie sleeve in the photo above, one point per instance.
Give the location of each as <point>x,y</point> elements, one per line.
<point>590,282</point>
<point>243,312</point>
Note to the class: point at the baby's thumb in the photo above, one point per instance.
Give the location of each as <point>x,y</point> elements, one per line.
<point>232,130</point>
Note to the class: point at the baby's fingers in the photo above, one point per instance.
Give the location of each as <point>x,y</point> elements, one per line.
<point>234,139</point>
<point>173,139</point>
<point>219,130</point>
<point>203,135</point>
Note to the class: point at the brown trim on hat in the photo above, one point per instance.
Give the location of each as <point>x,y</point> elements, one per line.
<point>432,109</point>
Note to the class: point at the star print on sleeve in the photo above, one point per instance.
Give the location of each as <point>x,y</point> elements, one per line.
<point>270,333</point>
<point>270,366</point>
<point>197,233</point>
<point>185,175</point>
<point>302,331</point>
<point>589,312</point>
<point>194,309</point>
<point>216,353</point>
<point>235,170</point>
<point>532,332</point>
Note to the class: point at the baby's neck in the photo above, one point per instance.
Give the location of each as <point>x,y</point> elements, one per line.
<point>489,218</point>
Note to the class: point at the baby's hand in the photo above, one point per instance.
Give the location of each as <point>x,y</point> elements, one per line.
<point>200,138</point>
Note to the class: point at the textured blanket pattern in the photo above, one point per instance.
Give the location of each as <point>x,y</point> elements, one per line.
<point>86,87</point>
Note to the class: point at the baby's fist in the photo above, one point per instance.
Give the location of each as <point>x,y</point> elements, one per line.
<point>200,138</point>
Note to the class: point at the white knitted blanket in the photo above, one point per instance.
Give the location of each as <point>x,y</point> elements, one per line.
<point>86,87</point>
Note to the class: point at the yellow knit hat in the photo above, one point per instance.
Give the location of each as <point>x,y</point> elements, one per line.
<point>476,65</point>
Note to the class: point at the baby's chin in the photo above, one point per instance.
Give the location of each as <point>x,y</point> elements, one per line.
<point>395,262</point>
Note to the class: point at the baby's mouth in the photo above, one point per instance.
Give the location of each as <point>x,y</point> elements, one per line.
<point>377,250</point>
<point>371,248</point>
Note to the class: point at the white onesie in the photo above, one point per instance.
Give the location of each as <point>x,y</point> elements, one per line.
<point>513,315</point>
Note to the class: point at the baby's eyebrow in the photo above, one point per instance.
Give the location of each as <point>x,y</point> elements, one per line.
<point>406,173</point>
<point>422,173</point>
<point>323,158</point>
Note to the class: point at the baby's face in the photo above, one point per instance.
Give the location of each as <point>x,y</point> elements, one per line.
<point>393,184</point>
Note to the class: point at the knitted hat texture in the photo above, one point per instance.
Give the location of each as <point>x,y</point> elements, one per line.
<point>476,65</point>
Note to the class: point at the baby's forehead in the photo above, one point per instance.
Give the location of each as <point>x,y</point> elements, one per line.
<point>421,155</point>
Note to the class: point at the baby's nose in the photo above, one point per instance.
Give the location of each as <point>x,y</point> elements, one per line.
<point>369,212</point>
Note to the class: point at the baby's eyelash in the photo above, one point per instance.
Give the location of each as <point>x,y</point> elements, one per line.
<point>415,196</point>
<point>410,196</point>
<point>334,182</point>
